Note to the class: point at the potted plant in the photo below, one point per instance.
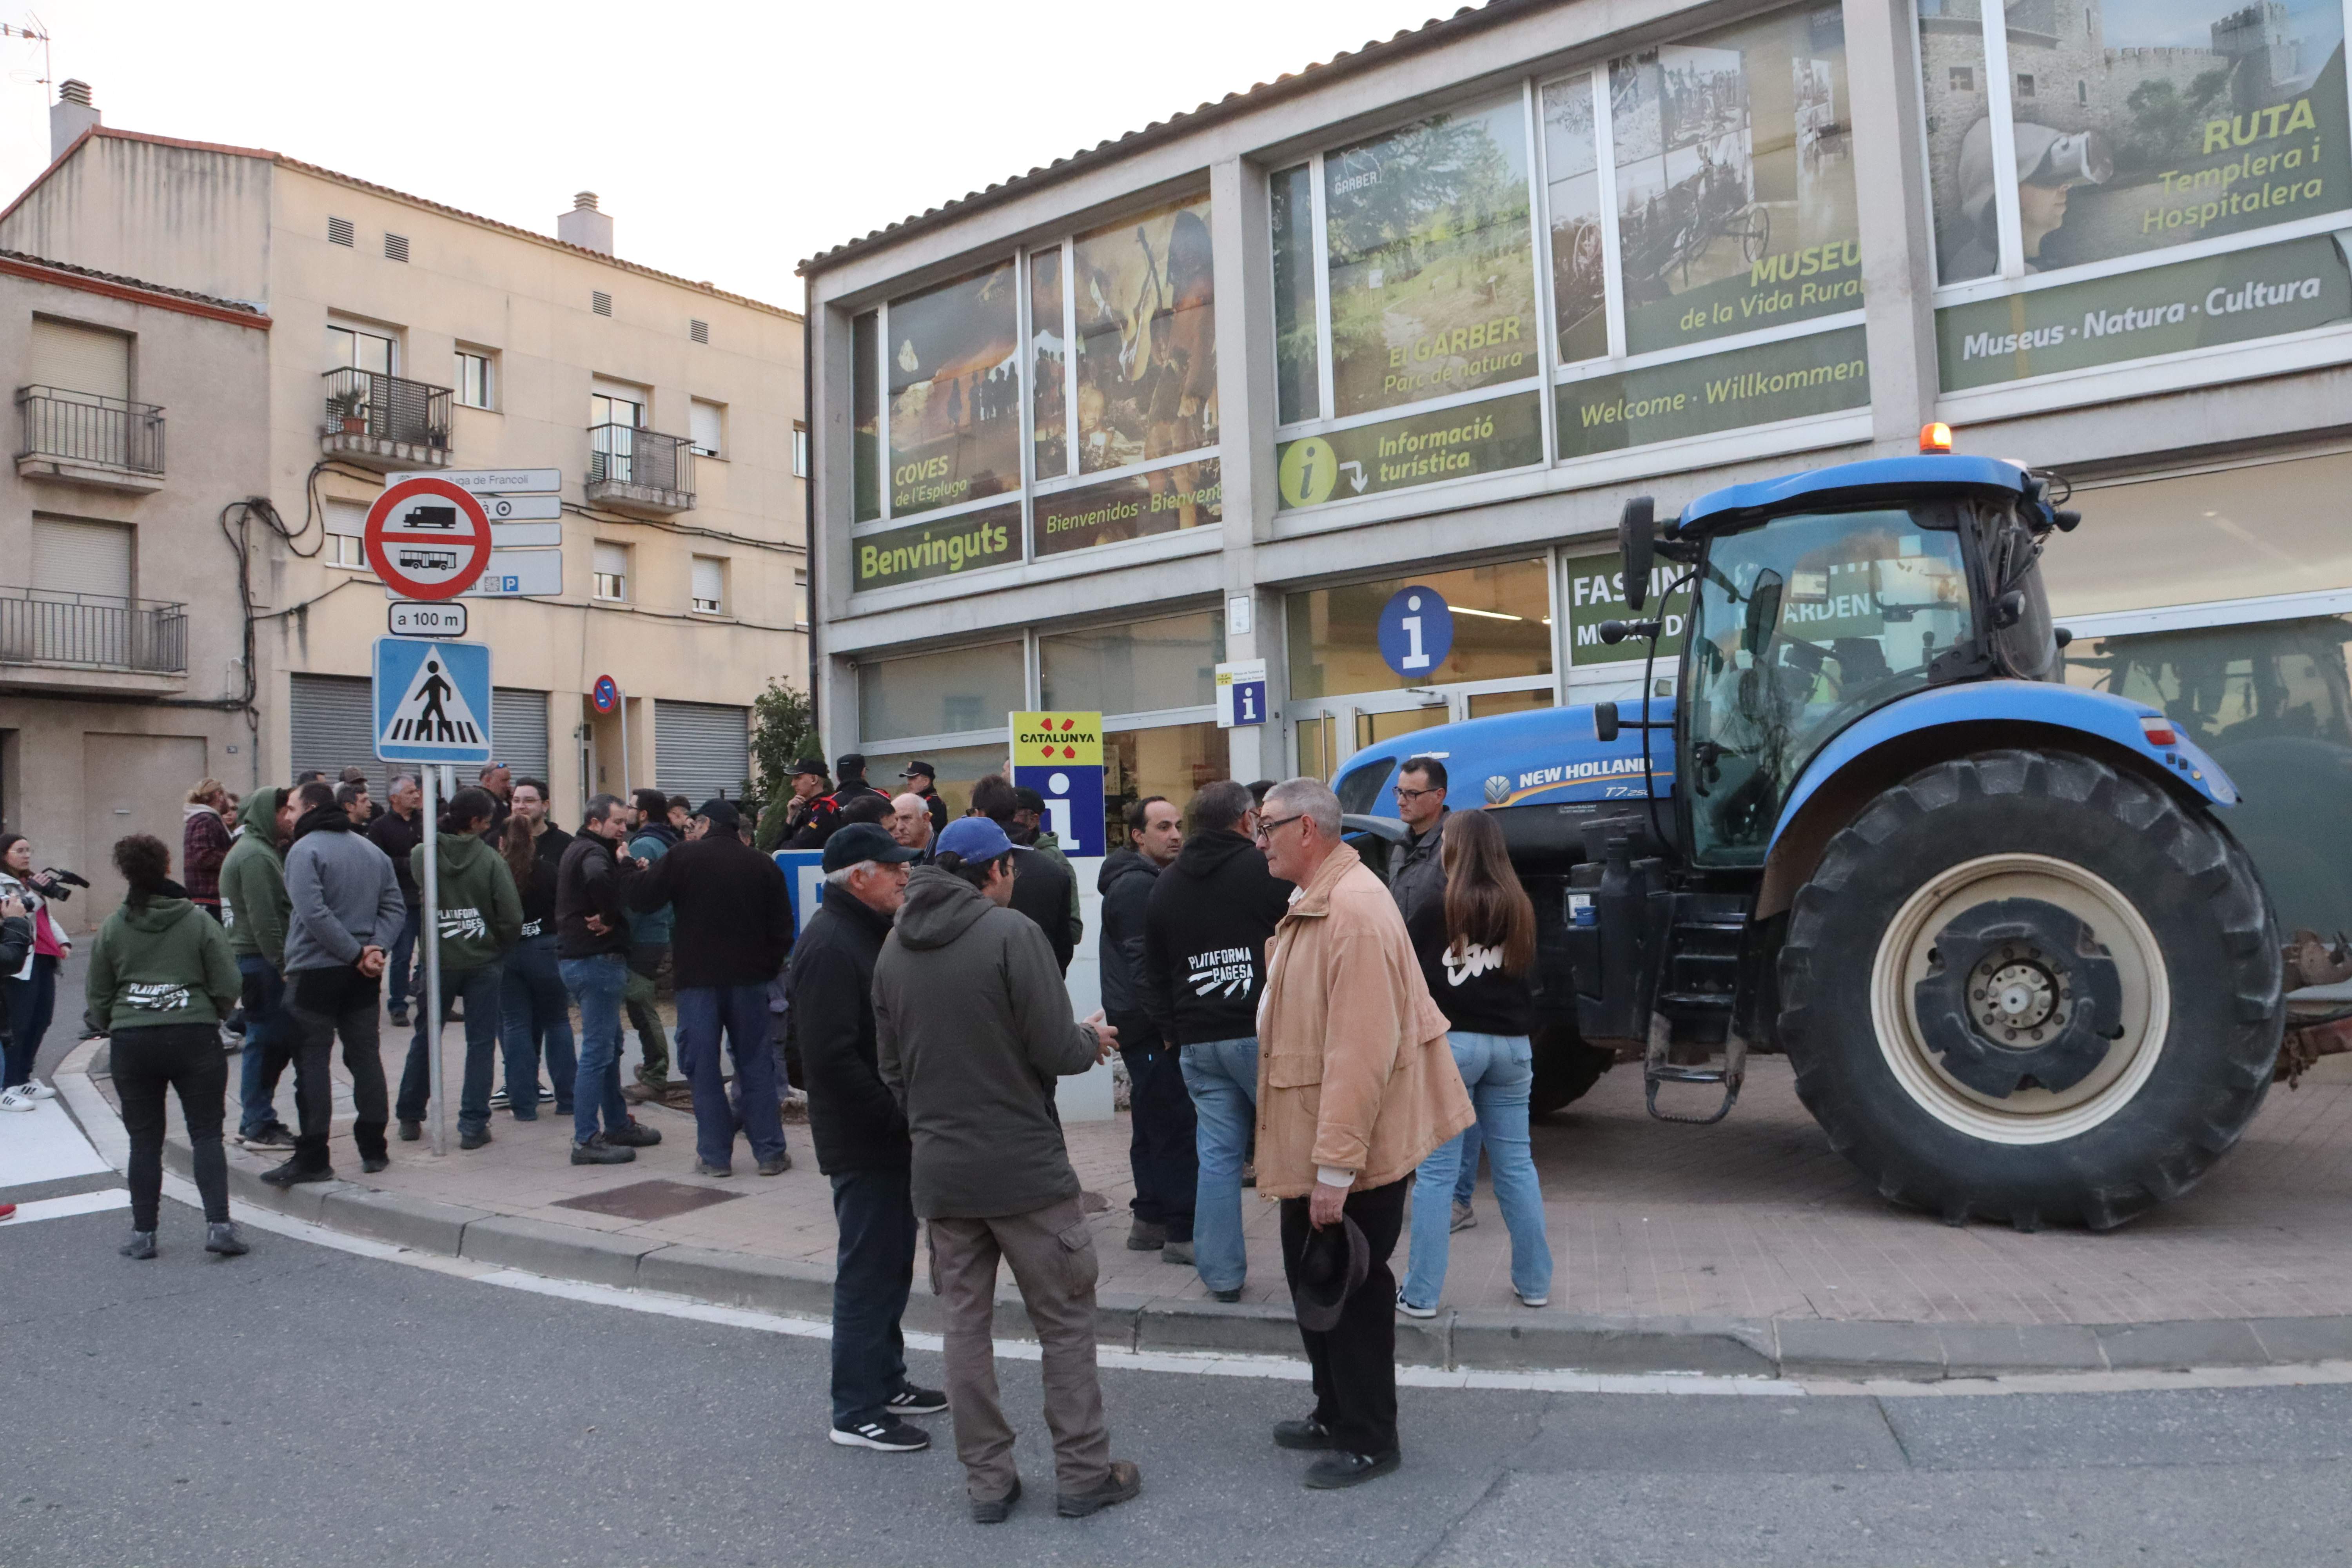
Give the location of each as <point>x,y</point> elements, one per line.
<point>349,406</point>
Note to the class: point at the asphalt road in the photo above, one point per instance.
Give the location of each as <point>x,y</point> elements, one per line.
<point>303,1405</point>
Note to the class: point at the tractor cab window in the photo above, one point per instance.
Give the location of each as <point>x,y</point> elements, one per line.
<point>2024,644</point>
<point>1800,628</point>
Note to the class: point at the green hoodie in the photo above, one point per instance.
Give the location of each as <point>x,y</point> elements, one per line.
<point>254,906</point>
<point>164,962</point>
<point>481,913</point>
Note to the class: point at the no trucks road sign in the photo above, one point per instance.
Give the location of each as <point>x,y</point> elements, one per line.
<point>427,539</point>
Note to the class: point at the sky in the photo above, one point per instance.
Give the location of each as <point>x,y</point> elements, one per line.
<point>728,140</point>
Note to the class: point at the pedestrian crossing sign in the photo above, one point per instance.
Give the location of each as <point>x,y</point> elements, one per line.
<point>432,700</point>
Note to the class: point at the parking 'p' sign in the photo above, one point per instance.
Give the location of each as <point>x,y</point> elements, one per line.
<point>427,539</point>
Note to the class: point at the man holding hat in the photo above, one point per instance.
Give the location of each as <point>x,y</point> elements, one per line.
<point>973,1027</point>
<point>732,929</point>
<point>919,779</point>
<point>780,823</point>
<point>861,1139</point>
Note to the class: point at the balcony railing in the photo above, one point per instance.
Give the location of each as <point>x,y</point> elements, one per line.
<point>40,626</point>
<point>83,428</point>
<point>386,408</point>
<point>626,455</point>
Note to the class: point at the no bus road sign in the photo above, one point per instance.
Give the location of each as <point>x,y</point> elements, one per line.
<point>427,539</point>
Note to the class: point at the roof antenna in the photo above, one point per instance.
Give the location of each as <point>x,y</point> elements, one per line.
<point>37,31</point>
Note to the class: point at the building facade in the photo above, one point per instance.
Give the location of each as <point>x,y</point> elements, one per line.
<point>1424,317</point>
<point>123,667</point>
<point>409,337</point>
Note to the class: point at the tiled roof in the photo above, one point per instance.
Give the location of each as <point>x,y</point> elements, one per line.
<point>1378,52</point>
<point>596,256</point>
<point>242,306</point>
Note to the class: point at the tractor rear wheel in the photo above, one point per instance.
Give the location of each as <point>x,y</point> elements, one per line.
<point>1566,1069</point>
<point>2026,987</point>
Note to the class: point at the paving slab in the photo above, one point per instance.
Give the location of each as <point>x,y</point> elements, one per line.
<point>569,1252</point>
<point>2177,1347</point>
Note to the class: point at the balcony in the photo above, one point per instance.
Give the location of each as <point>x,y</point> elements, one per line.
<point>92,643</point>
<point>383,423</point>
<point>78,438</point>
<point>639,471</point>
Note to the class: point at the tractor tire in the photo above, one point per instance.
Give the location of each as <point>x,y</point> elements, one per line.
<point>2079,903</point>
<point>1566,1069</point>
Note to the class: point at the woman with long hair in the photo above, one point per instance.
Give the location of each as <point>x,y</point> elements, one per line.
<point>163,977</point>
<point>535,1011</point>
<point>480,917</point>
<point>28,990</point>
<point>1475,947</point>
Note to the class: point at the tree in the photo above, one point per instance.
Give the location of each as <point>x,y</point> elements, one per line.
<point>784,731</point>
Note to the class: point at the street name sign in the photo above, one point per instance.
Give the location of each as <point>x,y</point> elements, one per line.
<point>491,481</point>
<point>432,700</point>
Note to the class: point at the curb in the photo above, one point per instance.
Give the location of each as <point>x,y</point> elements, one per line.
<point>1490,1340</point>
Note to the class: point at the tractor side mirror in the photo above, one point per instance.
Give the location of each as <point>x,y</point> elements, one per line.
<point>1763,615</point>
<point>1604,721</point>
<point>1637,545</point>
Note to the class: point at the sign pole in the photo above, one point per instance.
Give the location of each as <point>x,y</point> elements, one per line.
<point>621,701</point>
<point>431,936</point>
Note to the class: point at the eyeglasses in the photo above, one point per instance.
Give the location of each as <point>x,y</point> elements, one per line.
<point>1265,829</point>
<point>1411,794</point>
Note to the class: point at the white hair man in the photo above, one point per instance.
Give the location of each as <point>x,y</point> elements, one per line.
<point>910,822</point>
<point>1356,1086</point>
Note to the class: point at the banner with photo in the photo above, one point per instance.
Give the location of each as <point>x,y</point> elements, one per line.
<point>1188,495</point>
<point>2138,125</point>
<point>2227,299</point>
<point>1432,276</point>
<point>1048,356</point>
<point>990,537</point>
<point>955,393</point>
<point>1418,449</point>
<point>1736,206</point>
<point>1821,373</point>
<point>1146,359</point>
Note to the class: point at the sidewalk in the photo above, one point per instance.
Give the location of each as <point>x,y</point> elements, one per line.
<point>1744,1248</point>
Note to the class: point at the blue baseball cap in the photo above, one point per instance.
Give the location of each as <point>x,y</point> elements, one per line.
<point>976,840</point>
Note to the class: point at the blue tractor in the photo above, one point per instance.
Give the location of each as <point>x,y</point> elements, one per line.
<point>2020,967</point>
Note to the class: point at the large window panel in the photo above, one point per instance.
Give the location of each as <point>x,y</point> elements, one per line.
<point>1502,628</point>
<point>1147,348</point>
<point>1431,273</point>
<point>1048,353</point>
<point>1579,263</point>
<point>1297,361</point>
<point>940,693</point>
<point>959,768</point>
<point>955,399</point>
<point>1142,667</point>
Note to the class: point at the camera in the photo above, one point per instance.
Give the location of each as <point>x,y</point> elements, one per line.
<point>52,882</point>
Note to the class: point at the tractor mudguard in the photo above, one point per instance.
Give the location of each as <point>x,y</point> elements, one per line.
<point>2114,719</point>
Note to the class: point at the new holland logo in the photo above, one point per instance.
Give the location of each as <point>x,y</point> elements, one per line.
<point>1498,789</point>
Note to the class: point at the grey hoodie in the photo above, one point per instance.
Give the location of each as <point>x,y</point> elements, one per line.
<point>343,894</point>
<point>971,1028</point>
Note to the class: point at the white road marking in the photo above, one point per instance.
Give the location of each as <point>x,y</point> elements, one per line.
<point>74,1204</point>
<point>43,1145</point>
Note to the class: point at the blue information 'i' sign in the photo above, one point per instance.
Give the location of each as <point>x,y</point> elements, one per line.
<point>1416,632</point>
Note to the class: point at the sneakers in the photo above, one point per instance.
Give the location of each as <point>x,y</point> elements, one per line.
<point>633,1135</point>
<point>1232,1295</point>
<point>1176,1252</point>
<point>409,1131</point>
<point>18,1099</point>
<point>1533,1301</point>
<point>373,1163</point>
<point>6,1210</point>
<point>37,1090</point>
<point>1465,1216</point>
<point>599,1151</point>
<point>996,1509</point>
<point>475,1139</point>
<point>889,1434</point>
<point>1146,1236</point>
<point>913,1401</point>
<point>1122,1484</point>
<point>140,1246</point>
<point>1341,1468</point>
<point>224,1239</point>
<point>1409,1310</point>
<point>293,1172</point>
<point>500,1100</point>
<point>1307,1433</point>
<point>779,1165</point>
<point>276,1136</point>
<point>704,1168</point>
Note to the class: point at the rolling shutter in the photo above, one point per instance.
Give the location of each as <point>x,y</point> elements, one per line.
<point>701,749</point>
<point>81,557</point>
<point>518,730</point>
<point>86,360</point>
<point>332,727</point>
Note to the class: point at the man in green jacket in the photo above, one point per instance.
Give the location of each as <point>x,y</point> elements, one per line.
<point>254,912</point>
<point>480,919</point>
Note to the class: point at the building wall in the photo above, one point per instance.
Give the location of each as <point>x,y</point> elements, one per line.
<point>188,216</point>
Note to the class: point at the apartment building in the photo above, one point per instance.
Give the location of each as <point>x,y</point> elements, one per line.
<point>406,336</point>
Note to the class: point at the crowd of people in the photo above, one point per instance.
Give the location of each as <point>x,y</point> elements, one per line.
<point>1286,1019</point>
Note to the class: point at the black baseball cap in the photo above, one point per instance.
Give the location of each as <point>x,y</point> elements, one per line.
<point>719,812</point>
<point>1029,799</point>
<point>919,769</point>
<point>864,841</point>
<point>812,766</point>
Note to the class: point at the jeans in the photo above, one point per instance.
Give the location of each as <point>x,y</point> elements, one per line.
<point>874,1269</point>
<point>743,1012</point>
<point>641,998</point>
<point>1498,1071</point>
<point>400,980</point>
<point>187,1058</point>
<point>1162,1150</point>
<point>325,1003</point>
<point>1223,1078</point>
<point>535,1013</point>
<point>1474,1142</point>
<point>269,1044</point>
<point>596,984</point>
<point>480,988</point>
<point>31,1001</point>
<point>1354,1360</point>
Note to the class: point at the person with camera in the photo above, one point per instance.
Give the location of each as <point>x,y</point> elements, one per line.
<point>30,988</point>
<point>163,977</point>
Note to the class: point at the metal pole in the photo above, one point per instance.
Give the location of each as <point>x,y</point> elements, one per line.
<point>430,935</point>
<point>621,701</point>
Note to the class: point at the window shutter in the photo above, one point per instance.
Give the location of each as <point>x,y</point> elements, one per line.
<point>396,246</point>
<point>338,231</point>
<point>709,581</point>
<point>346,516</point>
<point>708,420</point>
<point>86,360</point>
<point>518,730</point>
<point>699,331</point>
<point>613,559</point>
<point>600,301</point>
<point>81,557</point>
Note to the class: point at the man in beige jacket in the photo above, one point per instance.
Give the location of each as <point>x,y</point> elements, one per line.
<point>1355,1087</point>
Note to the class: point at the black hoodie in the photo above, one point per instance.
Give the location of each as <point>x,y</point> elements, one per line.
<point>1204,935</point>
<point>1125,883</point>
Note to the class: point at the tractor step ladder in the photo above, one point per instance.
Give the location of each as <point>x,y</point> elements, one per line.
<point>1702,960</point>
